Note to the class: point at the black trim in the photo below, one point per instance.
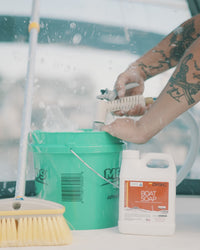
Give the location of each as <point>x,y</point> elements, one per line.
<point>15,29</point>
<point>189,187</point>
<point>7,189</point>
<point>194,6</point>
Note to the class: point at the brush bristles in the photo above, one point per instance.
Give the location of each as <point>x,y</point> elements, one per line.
<point>34,231</point>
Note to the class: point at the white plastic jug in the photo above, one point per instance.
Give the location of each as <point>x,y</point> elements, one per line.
<point>147,194</point>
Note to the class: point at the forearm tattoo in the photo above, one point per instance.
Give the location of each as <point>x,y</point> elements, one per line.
<point>180,40</point>
<point>149,70</point>
<point>180,87</point>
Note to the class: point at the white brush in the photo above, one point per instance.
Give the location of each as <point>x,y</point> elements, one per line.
<point>123,104</point>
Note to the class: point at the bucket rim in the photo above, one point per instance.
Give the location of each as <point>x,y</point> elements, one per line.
<point>80,131</point>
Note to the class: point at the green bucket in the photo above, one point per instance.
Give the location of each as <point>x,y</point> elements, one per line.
<point>79,170</point>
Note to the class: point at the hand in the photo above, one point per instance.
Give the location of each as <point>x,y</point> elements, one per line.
<point>126,129</point>
<point>132,74</point>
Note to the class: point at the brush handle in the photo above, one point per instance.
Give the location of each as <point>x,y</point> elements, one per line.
<point>149,100</point>
<point>110,95</point>
<point>127,87</point>
<point>27,108</point>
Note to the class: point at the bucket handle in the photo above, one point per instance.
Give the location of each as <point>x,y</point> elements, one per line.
<point>77,156</point>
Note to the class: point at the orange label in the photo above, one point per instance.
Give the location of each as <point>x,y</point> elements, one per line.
<point>146,195</point>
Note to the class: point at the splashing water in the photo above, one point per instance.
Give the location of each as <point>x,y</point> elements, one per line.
<point>57,121</point>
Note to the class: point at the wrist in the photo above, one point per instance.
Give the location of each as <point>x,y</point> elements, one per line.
<point>143,133</point>
<point>137,67</point>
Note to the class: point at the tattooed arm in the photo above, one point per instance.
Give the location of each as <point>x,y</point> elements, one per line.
<point>181,93</point>
<point>162,57</point>
<point>169,51</point>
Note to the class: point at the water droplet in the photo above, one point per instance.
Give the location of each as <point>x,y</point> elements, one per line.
<point>72,25</point>
<point>77,38</point>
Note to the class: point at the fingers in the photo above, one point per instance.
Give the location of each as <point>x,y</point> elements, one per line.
<point>120,85</point>
<point>125,129</point>
<point>138,110</point>
<point>120,128</point>
<point>132,74</point>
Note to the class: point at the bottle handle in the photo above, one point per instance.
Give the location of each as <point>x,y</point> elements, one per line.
<point>159,160</point>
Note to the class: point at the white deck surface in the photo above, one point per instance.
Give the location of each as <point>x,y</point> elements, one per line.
<point>186,237</point>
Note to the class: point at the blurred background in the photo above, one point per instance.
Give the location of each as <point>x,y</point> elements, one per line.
<point>83,46</point>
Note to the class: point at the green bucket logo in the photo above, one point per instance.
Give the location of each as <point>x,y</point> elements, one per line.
<point>41,176</point>
<point>112,174</point>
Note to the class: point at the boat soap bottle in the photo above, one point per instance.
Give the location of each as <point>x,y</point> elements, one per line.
<point>147,194</point>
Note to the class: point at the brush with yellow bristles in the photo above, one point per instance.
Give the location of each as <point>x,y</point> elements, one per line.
<point>31,221</point>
